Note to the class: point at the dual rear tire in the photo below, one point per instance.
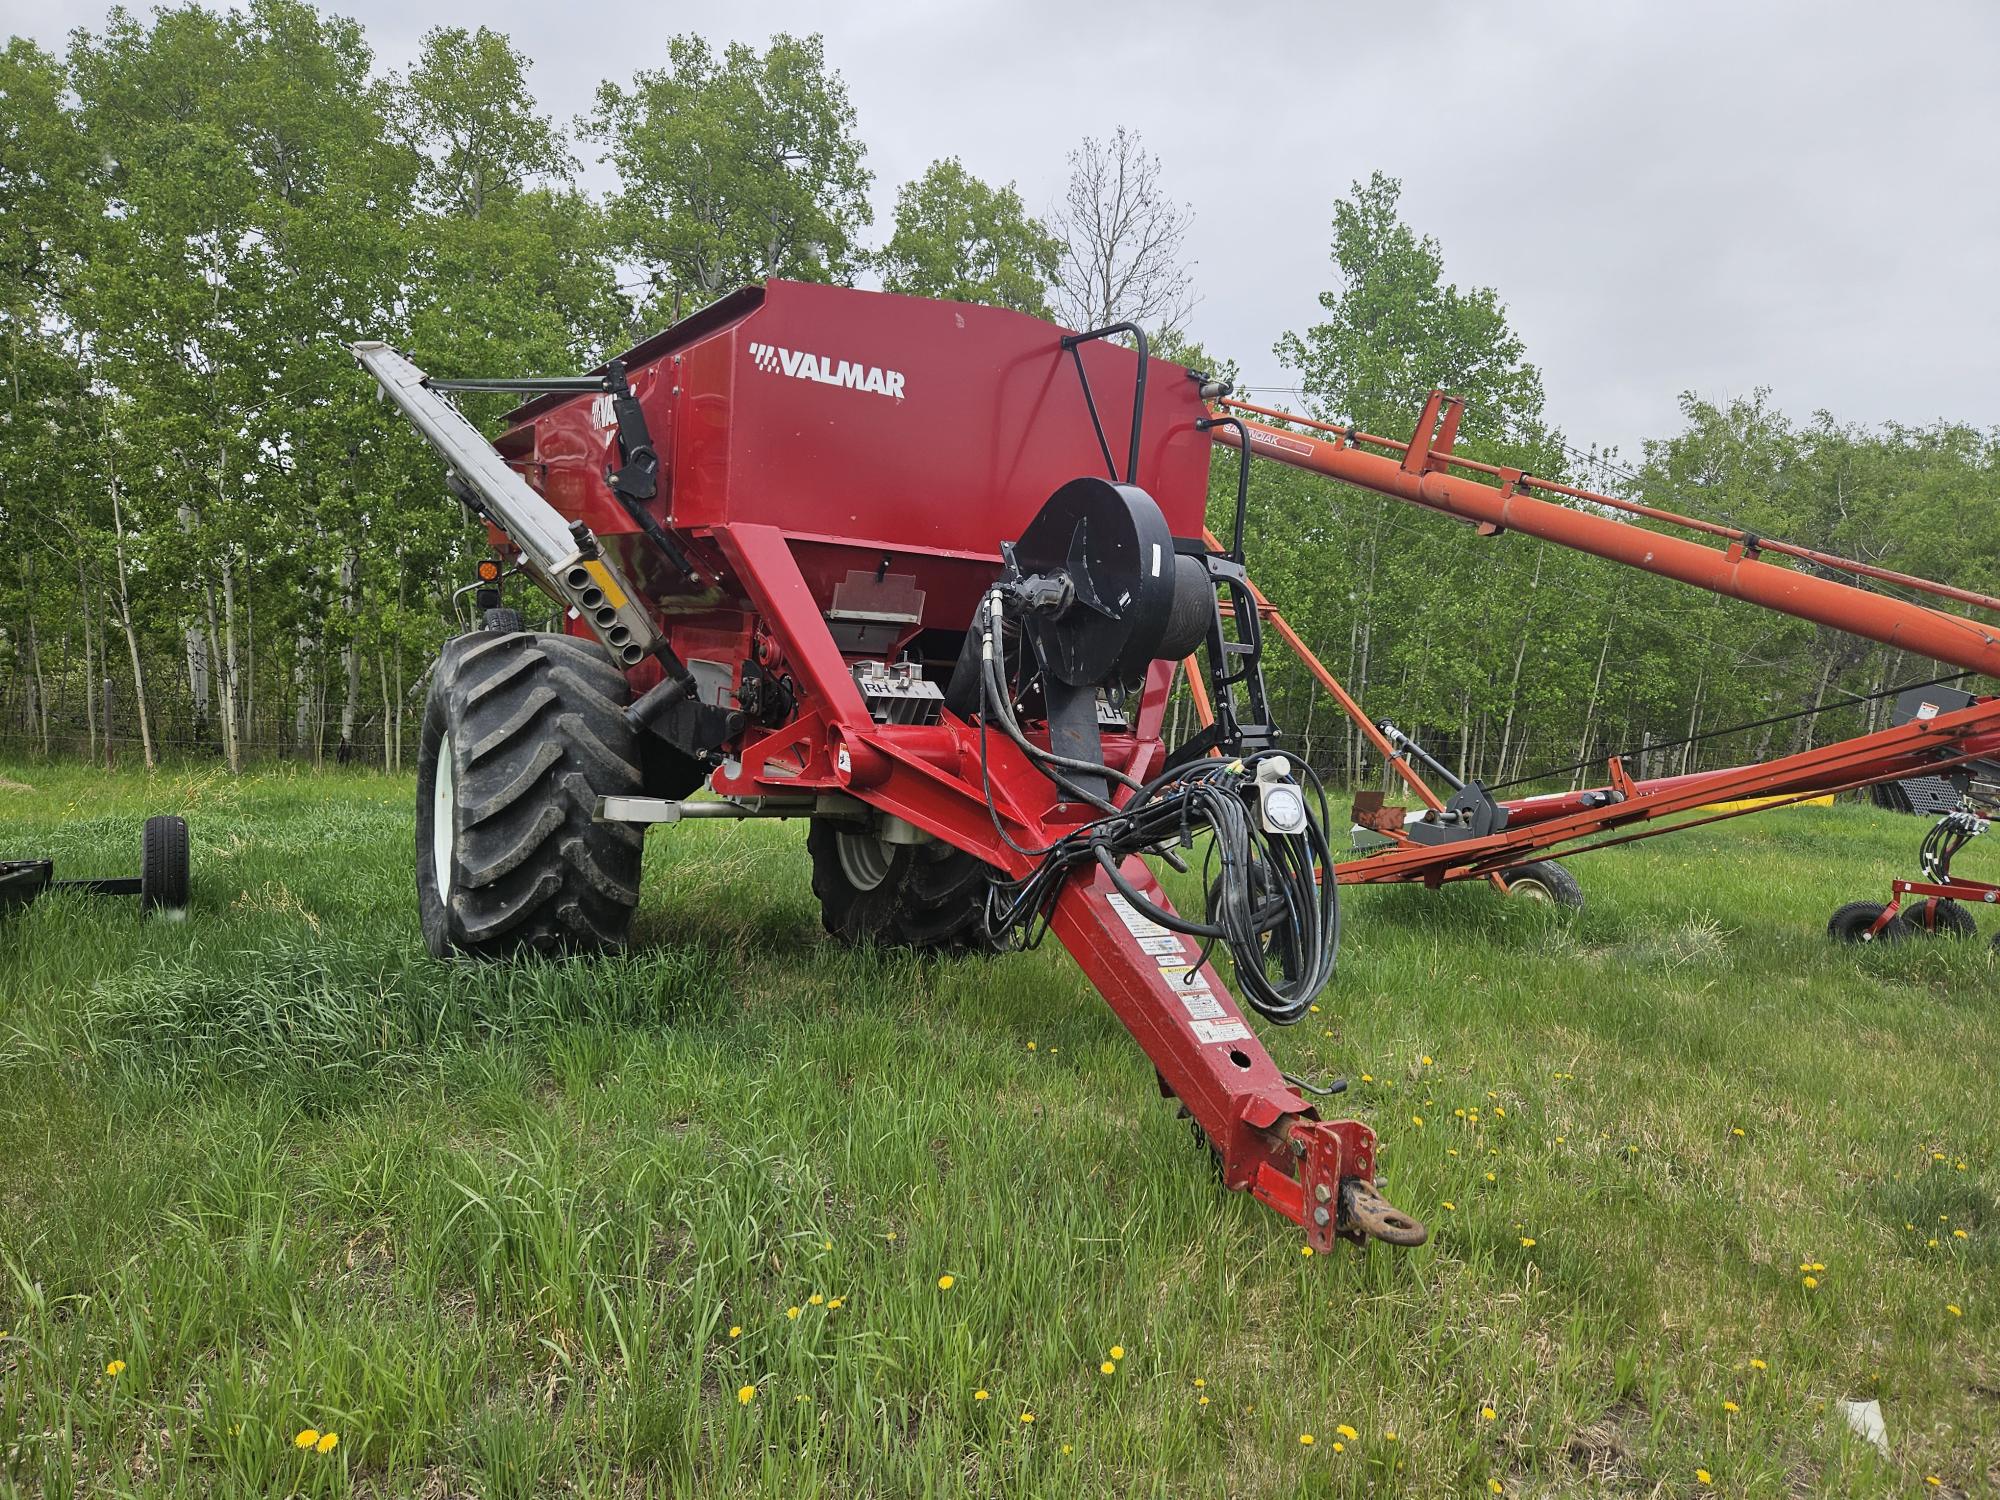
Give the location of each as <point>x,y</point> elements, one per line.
<point>1931,917</point>
<point>875,892</point>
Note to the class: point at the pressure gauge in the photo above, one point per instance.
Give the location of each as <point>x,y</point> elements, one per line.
<point>1283,807</point>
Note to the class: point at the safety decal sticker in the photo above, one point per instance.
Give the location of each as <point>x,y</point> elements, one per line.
<point>1203,1006</point>
<point>1140,927</point>
<point>1220,1031</point>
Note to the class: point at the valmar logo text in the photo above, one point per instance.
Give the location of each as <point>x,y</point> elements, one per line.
<point>800,365</point>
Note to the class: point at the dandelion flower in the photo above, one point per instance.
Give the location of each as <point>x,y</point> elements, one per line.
<point>1702,1476</point>
<point>1389,1437</point>
<point>1933,1479</point>
<point>1954,1309</point>
<point>1339,1447</point>
<point>1347,1432</point>
<point>1450,1207</point>
<point>1931,1243</point>
<point>1416,1119</point>
<point>817,1298</point>
<point>1305,1250</point>
<point>980,1394</point>
<point>1958,1234</point>
<point>1491,1178</point>
<point>946,1283</point>
<point>792,1313</point>
<point>1031,1046</point>
<point>1200,1384</point>
<point>1201,1401</point>
<point>827,1246</point>
<point>745,1394</point>
<point>736,1330</point>
<point>1809,1282</point>
<point>1488,1413</point>
<point>835,1303</point>
<point>1499,1112</point>
<point>1496,1486</point>
<point>1736,1130</point>
<point>1758,1364</point>
<point>1305,1440</point>
<point>1027,1418</point>
<point>1427,1059</point>
<point>1107,1368</point>
<point>1367,1077</point>
<point>328,1441</point>
<point>306,1438</point>
<point>1731,1406</point>
<point>1527,1242</point>
<point>1067,1448</point>
<point>115,1368</point>
<point>892,1234</point>
<point>1117,1351</point>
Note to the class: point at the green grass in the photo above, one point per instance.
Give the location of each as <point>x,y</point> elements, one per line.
<point>494,1225</point>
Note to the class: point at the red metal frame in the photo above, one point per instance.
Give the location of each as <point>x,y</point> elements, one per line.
<point>780,481</point>
<point>1560,823</point>
<point>803,441</point>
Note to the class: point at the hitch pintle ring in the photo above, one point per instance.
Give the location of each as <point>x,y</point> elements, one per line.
<point>1365,1212</point>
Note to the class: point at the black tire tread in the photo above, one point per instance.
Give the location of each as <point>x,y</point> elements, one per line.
<point>1848,923</point>
<point>539,733</point>
<point>163,866</point>
<point>931,897</point>
<point>1564,889</point>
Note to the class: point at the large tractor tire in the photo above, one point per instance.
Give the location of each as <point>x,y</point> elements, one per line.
<point>522,734</point>
<point>924,895</point>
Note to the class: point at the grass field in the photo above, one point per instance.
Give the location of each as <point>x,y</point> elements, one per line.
<point>679,1223</point>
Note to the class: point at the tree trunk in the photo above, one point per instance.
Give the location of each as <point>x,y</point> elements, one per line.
<point>350,655</point>
<point>1520,655</point>
<point>225,688</point>
<point>1590,713</point>
<point>38,703</point>
<point>388,719</point>
<point>125,622</point>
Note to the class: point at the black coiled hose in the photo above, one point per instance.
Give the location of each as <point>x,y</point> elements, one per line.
<point>1268,904</point>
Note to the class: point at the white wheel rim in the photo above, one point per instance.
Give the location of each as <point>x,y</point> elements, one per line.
<point>441,821</point>
<point>1529,890</point>
<point>864,860</point>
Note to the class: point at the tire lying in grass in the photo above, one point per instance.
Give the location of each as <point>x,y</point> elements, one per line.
<point>522,734</point>
<point>163,866</point>
<point>1937,916</point>
<point>1544,880</point>
<point>922,895</point>
<point>1851,923</point>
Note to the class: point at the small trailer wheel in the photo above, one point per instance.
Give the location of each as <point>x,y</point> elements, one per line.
<point>1851,923</point>
<point>1544,880</point>
<point>1939,917</point>
<point>163,867</point>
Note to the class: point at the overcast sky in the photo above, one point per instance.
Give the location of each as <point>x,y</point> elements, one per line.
<point>1668,196</point>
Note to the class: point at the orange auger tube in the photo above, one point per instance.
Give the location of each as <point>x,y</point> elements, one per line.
<point>1736,573</point>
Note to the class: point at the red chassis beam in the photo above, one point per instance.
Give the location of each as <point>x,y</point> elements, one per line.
<point>1269,1140</point>
<point>1544,824</point>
